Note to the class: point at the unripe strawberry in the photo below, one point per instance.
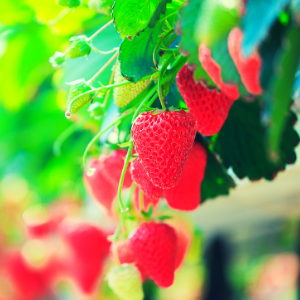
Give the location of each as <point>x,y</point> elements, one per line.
<point>79,46</point>
<point>208,107</point>
<point>125,281</point>
<point>163,141</point>
<point>214,71</point>
<point>75,101</point>
<point>101,6</point>
<point>151,193</point>
<point>154,246</point>
<point>123,95</point>
<point>57,59</point>
<point>186,194</point>
<point>68,3</point>
<point>250,67</point>
<point>125,255</point>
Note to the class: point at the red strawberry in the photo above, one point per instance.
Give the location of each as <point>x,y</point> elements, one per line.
<point>208,107</point>
<point>103,184</point>
<point>186,194</point>
<point>98,186</point>
<point>154,246</point>
<point>125,255</point>
<point>163,141</point>
<point>214,71</point>
<point>249,68</point>
<point>152,193</point>
<point>27,281</point>
<point>89,247</point>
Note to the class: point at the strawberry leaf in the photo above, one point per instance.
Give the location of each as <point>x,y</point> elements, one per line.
<point>216,181</point>
<point>241,143</point>
<point>136,56</point>
<point>131,16</point>
<point>260,16</point>
<point>281,87</point>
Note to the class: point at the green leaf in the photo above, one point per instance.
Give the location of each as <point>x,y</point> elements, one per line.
<point>136,56</point>
<point>260,16</point>
<point>161,10</point>
<point>216,181</point>
<point>241,143</point>
<point>131,16</point>
<point>188,27</point>
<point>281,87</point>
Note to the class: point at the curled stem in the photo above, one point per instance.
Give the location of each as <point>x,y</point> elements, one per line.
<point>126,162</point>
<point>99,30</point>
<point>103,68</point>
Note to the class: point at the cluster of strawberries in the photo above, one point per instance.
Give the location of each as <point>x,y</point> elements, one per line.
<point>169,165</point>
<point>57,249</point>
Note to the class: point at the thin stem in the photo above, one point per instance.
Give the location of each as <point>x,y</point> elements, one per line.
<point>158,44</point>
<point>141,200</point>
<point>103,68</point>
<point>140,107</point>
<point>104,52</point>
<point>111,79</point>
<point>99,30</point>
<point>162,71</point>
<point>126,162</point>
<point>97,136</point>
<point>59,17</point>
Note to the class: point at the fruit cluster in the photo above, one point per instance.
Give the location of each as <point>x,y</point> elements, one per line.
<point>163,162</point>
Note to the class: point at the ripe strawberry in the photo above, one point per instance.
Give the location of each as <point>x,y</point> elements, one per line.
<point>214,71</point>
<point>151,193</point>
<point>125,255</point>
<point>125,281</point>
<point>249,68</point>
<point>103,184</point>
<point>186,193</point>
<point>99,187</point>
<point>208,107</point>
<point>163,141</point>
<point>89,247</point>
<point>27,281</point>
<point>154,246</point>
<point>123,95</point>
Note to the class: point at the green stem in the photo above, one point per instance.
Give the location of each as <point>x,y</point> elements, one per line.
<point>158,44</point>
<point>97,136</point>
<point>59,17</point>
<point>140,107</point>
<point>103,68</point>
<point>126,162</point>
<point>99,30</point>
<point>161,74</point>
<point>104,52</point>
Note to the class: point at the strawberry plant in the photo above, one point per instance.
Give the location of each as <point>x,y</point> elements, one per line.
<point>156,106</point>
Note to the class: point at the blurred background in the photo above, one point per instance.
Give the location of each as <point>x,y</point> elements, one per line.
<point>246,246</point>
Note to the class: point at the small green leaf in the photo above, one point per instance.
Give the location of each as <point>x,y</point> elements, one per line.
<point>125,145</point>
